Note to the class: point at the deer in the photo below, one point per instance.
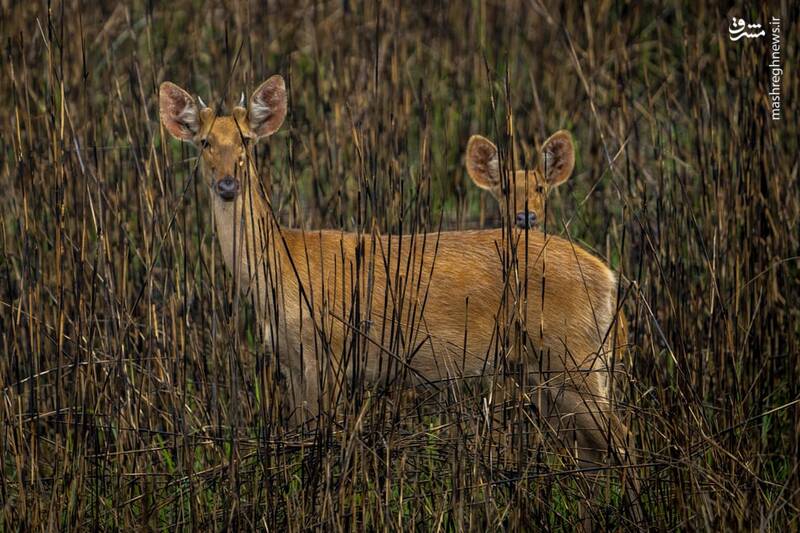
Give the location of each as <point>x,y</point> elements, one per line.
<point>342,307</point>
<point>523,197</point>
<point>524,193</point>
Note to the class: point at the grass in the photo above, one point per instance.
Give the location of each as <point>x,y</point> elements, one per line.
<point>135,392</point>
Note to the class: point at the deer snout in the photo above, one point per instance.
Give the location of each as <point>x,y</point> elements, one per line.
<point>526,220</point>
<point>227,187</point>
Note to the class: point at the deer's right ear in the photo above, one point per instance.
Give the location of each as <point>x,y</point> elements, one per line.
<point>483,165</point>
<point>558,158</point>
<point>178,111</point>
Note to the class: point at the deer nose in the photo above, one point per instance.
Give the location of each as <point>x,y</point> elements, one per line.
<point>227,188</point>
<point>526,220</point>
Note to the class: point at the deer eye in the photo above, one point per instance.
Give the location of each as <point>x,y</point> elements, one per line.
<point>539,189</point>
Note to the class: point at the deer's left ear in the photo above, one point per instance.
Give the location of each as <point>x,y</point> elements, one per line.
<point>178,111</point>
<point>267,108</point>
<point>558,158</point>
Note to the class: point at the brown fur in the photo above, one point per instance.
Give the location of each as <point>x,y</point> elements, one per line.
<point>529,189</point>
<point>433,289</point>
<point>523,189</point>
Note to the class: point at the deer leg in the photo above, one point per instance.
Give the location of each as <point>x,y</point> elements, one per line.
<point>587,427</point>
<point>302,393</point>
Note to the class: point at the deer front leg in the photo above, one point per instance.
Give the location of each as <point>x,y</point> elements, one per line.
<point>302,395</point>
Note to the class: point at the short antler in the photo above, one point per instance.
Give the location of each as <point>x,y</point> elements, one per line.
<point>240,112</point>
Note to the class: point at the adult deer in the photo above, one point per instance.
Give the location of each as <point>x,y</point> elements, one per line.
<point>341,307</point>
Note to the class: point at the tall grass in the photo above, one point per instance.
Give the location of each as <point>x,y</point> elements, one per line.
<point>135,388</point>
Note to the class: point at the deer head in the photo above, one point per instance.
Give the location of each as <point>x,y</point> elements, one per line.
<point>524,192</point>
<point>225,142</point>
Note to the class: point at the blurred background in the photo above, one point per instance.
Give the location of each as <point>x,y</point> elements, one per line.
<point>135,390</point>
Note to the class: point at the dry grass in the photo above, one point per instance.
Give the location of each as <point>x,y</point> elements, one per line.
<point>135,392</point>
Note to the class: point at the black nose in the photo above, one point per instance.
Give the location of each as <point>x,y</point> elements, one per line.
<point>227,188</point>
<point>526,220</point>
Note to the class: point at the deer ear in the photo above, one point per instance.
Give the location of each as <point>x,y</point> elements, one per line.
<point>267,108</point>
<point>482,163</point>
<point>558,158</point>
<point>178,111</point>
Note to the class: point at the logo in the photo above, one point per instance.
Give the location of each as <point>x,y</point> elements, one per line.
<point>739,28</point>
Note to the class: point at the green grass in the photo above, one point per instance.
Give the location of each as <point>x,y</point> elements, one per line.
<point>136,394</point>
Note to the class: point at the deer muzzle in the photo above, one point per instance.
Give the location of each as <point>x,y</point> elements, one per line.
<point>526,219</point>
<point>227,188</point>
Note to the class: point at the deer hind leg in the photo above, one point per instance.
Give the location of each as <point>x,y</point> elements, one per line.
<point>595,438</point>
<point>584,425</point>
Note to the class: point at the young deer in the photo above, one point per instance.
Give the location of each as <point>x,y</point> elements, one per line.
<point>339,306</point>
<point>523,193</point>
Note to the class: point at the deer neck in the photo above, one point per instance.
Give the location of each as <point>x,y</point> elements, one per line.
<point>244,227</point>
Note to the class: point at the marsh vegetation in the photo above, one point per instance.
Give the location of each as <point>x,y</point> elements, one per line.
<point>136,390</point>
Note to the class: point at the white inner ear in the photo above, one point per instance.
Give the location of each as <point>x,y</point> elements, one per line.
<point>553,163</point>
<point>259,113</point>
<point>549,160</point>
<point>188,118</point>
<point>493,167</point>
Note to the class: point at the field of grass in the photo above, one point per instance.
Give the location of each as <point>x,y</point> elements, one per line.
<point>136,390</point>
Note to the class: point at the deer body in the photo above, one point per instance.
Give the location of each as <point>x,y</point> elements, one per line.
<point>459,276</point>
<point>522,195</point>
<point>422,308</point>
